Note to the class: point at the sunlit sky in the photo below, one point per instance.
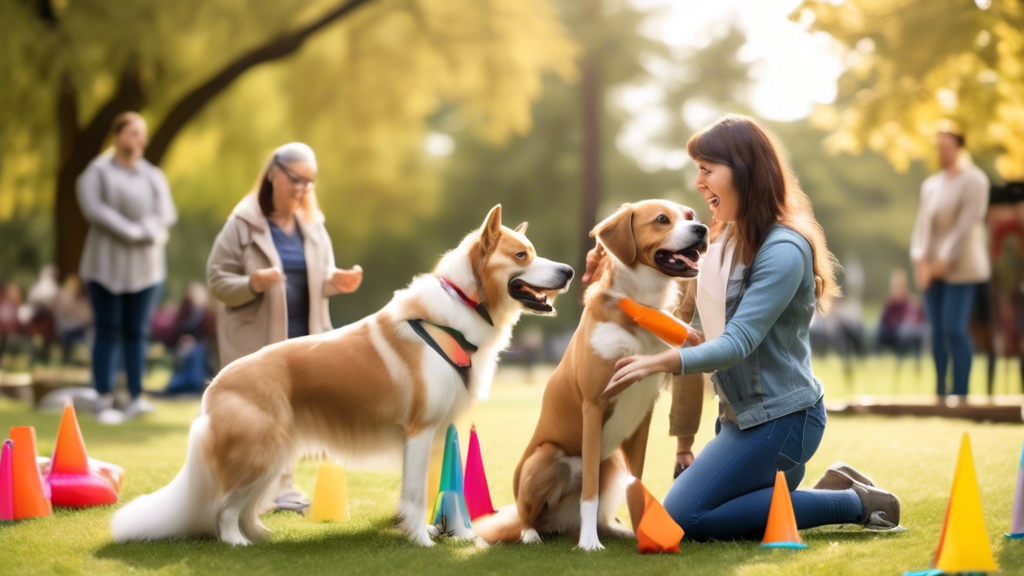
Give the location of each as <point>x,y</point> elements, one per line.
<point>792,68</point>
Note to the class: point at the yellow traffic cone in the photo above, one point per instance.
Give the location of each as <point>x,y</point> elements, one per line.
<point>330,497</point>
<point>434,475</point>
<point>963,542</point>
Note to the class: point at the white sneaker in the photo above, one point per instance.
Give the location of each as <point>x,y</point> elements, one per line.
<point>104,402</point>
<point>138,407</point>
<point>110,417</point>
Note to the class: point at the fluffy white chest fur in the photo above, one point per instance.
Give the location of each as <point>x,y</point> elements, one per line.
<point>611,341</point>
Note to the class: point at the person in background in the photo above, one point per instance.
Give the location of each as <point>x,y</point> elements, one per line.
<point>128,205</point>
<point>10,302</point>
<point>72,314</point>
<point>948,247</point>
<point>900,326</point>
<point>36,314</point>
<point>192,330</point>
<point>272,265</point>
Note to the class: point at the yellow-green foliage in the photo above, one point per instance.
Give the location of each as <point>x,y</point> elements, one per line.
<point>914,63</point>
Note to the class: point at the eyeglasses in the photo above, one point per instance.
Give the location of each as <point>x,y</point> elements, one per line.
<point>295,180</point>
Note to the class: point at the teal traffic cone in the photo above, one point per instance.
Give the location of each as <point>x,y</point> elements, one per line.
<point>450,506</point>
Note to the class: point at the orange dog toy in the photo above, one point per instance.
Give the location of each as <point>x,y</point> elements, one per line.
<point>656,531</point>
<point>665,326</point>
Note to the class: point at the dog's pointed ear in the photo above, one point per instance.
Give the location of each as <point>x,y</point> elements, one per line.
<point>522,227</point>
<point>616,234</point>
<point>491,230</point>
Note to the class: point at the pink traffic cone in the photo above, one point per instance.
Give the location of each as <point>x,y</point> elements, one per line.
<point>7,481</point>
<point>1017,525</point>
<point>478,496</point>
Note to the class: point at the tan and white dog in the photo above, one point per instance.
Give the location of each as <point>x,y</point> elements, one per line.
<point>358,390</point>
<point>573,474</point>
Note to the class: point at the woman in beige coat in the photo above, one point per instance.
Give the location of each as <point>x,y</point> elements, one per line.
<point>246,271</point>
<point>949,249</point>
<point>272,266</point>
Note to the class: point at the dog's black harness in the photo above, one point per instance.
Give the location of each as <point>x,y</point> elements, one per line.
<point>449,343</point>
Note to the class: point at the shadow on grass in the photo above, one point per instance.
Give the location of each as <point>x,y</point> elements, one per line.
<point>380,547</point>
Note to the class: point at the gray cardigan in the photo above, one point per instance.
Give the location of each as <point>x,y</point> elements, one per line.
<point>129,211</point>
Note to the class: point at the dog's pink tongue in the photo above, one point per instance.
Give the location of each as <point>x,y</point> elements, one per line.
<point>695,264</point>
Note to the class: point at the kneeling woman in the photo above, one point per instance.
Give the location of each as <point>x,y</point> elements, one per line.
<point>767,269</point>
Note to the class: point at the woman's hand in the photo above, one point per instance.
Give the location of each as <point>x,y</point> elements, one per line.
<point>634,368</point>
<point>347,281</point>
<point>264,278</point>
<point>922,275</point>
<point>693,338</point>
<point>593,259</point>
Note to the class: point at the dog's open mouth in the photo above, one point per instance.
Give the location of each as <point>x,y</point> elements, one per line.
<point>533,297</point>
<point>684,263</point>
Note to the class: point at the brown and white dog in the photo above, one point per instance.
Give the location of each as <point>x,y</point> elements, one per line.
<point>572,476</point>
<point>355,391</point>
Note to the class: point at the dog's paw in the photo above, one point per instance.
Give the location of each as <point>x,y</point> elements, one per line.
<point>589,542</point>
<point>480,542</point>
<point>421,538</point>
<point>235,539</point>
<point>433,531</point>
<point>530,536</point>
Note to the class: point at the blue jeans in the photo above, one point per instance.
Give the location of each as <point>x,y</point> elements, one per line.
<point>726,493</point>
<point>122,322</point>
<point>949,310</point>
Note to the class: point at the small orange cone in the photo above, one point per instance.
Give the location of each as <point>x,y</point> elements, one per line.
<point>30,500</point>
<point>655,530</point>
<point>781,531</point>
<point>69,456</point>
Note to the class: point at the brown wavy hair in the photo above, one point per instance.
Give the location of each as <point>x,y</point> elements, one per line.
<point>768,192</point>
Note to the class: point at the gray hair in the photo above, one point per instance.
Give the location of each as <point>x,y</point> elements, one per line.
<point>295,152</point>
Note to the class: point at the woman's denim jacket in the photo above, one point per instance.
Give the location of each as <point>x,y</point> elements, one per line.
<point>762,362</point>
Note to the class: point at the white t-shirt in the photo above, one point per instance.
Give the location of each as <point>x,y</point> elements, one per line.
<point>713,282</point>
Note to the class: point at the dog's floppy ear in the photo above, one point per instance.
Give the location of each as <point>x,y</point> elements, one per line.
<point>522,227</point>
<point>491,230</point>
<point>616,233</point>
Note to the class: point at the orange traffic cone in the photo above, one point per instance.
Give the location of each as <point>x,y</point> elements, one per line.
<point>69,456</point>
<point>30,500</point>
<point>781,531</point>
<point>655,530</point>
<point>72,482</point>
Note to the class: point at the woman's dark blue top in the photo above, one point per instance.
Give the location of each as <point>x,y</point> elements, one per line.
<point>289,248</point>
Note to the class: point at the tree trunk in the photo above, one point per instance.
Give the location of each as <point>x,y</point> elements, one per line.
<point>591,103</point>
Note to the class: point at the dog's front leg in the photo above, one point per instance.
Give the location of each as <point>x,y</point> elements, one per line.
<point>593,414</point>
<point>412,505</point>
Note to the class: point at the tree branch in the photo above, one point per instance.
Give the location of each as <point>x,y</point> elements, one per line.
<point>194,101</point>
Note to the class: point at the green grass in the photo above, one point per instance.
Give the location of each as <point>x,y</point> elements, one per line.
<point>914,458</point>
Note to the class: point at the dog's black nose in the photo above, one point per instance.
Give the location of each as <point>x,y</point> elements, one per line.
<point>566,272</point>
<point>701,232</point>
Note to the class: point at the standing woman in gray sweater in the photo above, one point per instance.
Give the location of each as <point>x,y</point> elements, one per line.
<point>128,205</point>
<point>949,249</point>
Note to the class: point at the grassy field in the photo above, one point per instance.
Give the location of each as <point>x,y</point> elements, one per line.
<point>912,457</point>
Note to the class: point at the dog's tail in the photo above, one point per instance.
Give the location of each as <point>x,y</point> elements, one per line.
<point>502,526</point>
<point>185,507</point>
